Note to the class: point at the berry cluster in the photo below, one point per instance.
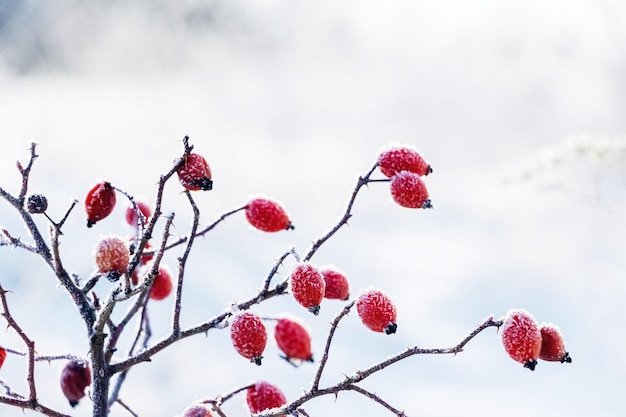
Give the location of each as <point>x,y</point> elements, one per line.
<point>405,166</point>
<point>134,264</point>
<point>525,340</point>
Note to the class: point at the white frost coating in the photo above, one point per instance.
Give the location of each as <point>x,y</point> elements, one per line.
<point>233,309</point>
<point>223,324</point>
<point>396,145</point>
<point>296,319</point>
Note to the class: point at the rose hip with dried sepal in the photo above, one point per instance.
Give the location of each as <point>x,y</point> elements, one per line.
<point>99,202</point>
<point>308,286</point>
<point>377,311</point>
<point>75,377</point>
<point>249,336</point>
<point>337,286</point>
<point>293,339</point>
<point>552,344</point>
<point>267,215</point>
<point>263,396</point>
<point>409,190</point>
<point>112,257</point>
<point>402,158</point>
<point>521,337</point>
<point>195,174</point>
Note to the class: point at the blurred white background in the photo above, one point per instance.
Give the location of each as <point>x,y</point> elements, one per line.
<point>518,106</point>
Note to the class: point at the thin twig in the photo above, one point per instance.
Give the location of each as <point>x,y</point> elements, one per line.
<point>30,344</point>
<point>377,399</point>
<point>30,405</point>
<point>9,391</point>
<point>202,232</point>
<point>277,265</point>
<point>331,333</point>
<point>222,399</point>
<point>16,242</point>
<point>346,216</point>
<point>182,261</point>
<point>127,408</point>
<point>26,172</point>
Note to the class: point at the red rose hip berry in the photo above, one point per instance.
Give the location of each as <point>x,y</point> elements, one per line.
<point>249,336</point>
<point>337,286</point>
<point>377,311</point>
<point>521,337</point>
<point>112,257</point>
<point>308,286</point>
<point>293,339</point>
<point>162,285</point>
<point>409,190</point>
<point>3,355</point>
<point>195,174</point>
<point>402,158</point>
<point>131,215</point>
<point>267,215</point>
<point>99,202</point>
<point>264,396</point>
<point>75,377</point>
<point>552,344</point>
<point>197,410</point>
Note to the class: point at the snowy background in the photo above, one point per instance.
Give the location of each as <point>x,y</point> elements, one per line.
<point>518,106</point>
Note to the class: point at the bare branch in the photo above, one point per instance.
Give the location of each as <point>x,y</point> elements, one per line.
<point>215,322</point>
<point>32,405</point>
<point>359,376</point>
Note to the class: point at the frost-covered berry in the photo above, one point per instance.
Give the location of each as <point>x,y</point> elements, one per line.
<point>521,337</point>
<point>3,355</point>
<point>249,336</point>
<point>112,257</point>
<point>409,190</point>
<point>99,202</point>
<point>267,215</point>
<point>377,311</point>
<point>197,410</point>
<point>337,286</point>
<point>37,203</point>
<point>552,344</point>
<point>402,158</point>
<point>131,215</point>
<point>195,174</point>
<point>308,286</point>
<point>162,285</point>
<point>75,377</point>
<point>293,339</point>
<point>263,396</point>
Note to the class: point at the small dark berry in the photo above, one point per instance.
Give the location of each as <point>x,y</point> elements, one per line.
<point>37,203</point>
